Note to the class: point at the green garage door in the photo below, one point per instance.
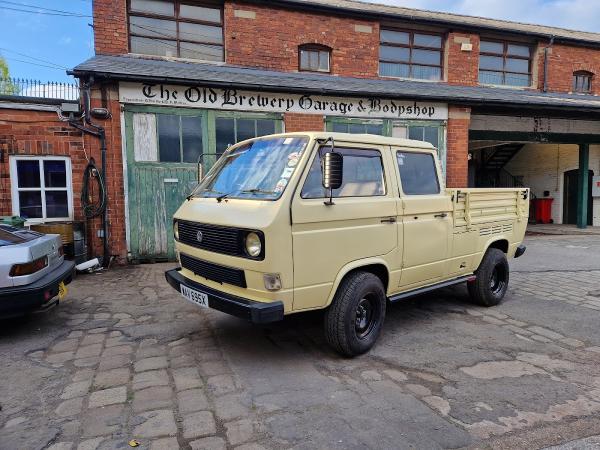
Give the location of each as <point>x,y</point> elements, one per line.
<point>164,146</point>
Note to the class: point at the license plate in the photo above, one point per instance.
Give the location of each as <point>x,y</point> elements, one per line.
<point>62,290</point>
<point>194,296</point>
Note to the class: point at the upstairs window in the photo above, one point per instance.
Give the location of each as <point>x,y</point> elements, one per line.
<point>314,58</point>
<point>176,29</point>
<point>582,82</point>
<point>406,54</point>
<point>504,63</point>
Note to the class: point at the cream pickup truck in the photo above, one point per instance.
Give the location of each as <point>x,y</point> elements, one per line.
<point>344,223</point>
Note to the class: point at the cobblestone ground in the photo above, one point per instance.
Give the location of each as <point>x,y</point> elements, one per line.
<point>124,357</point>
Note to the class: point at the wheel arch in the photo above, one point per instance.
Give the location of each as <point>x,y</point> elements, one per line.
<point>499,242</point>
<point>376,266</point>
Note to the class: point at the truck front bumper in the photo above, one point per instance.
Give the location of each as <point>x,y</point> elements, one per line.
<point>255,312</point>
<point>20,300</point>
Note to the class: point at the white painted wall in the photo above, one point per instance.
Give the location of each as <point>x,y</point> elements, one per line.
<point>542,167</point>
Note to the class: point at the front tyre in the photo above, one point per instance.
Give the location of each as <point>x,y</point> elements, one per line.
<point>492,279</point>
<point>354,320</point>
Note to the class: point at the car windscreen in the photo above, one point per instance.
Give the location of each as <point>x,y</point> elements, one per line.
<point>259,169</point>
<point>10,235</point>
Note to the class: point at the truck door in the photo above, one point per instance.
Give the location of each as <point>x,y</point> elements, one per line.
<point>426,213</point>
<point>360,224</point>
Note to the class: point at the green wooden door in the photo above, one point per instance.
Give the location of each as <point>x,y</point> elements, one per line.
<point>164,146</point>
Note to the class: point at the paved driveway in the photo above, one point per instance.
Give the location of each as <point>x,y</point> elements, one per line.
<point>125,358</point>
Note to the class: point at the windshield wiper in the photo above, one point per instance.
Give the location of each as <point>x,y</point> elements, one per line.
<point>257,191</point>
<point>222,197</point>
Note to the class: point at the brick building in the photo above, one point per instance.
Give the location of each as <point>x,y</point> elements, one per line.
<point>505,103</point>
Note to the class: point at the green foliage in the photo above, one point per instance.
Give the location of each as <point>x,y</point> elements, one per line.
<point>7,87</point>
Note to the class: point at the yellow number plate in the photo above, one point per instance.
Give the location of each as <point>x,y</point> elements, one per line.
<point>62,290</point>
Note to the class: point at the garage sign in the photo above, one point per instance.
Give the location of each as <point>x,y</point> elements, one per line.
<point>238,100</point>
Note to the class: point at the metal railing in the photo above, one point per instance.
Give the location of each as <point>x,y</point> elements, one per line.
<point>21,87</point>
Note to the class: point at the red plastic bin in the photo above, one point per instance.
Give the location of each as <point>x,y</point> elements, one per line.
<point>543,210</point>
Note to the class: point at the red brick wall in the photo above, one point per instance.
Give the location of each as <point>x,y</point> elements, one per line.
<point>110,27</point>
<point>457,147</point>
<point>563,61</point>
<point>462,67</point>
<point>271,39</point>
<point>40,133</point>
<point>303,122</point>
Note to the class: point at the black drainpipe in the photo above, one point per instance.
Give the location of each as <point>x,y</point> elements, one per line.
<point>100,133</point>
<point>546,52</point>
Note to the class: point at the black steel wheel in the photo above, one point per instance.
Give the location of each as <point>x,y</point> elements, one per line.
<point>492,279</point>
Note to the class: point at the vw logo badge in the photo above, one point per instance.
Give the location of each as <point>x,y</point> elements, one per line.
<point>199,236</point>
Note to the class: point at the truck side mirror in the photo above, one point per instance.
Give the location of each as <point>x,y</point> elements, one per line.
<point>332,167</point>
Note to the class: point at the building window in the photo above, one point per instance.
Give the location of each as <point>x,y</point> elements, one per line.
<point>582,82</point>
<point>179,138</point>
<point>410,55</point>
<point>504,63</point>
<point>41,188</point>
<point>314,58</point>
<point>176,29</point>
<point>357,126</point>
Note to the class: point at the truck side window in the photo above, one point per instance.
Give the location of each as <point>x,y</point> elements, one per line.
<point>418,175</point>
<point>363,175</point>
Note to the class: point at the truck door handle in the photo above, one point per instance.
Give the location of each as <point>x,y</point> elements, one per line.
<point>441,216</point>
<point>388,220</point>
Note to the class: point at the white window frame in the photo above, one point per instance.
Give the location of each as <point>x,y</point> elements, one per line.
<point>15,189</point>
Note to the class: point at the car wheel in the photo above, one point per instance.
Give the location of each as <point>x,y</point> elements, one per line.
<point>492,279</point>
<point>354,320</point>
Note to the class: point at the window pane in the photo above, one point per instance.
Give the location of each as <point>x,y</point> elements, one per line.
<point>394,70</point>
<point>313,60</point>
<point>425,40</point>
<point>200,13</point>
<point>57,204</point>
<point>426,73</point>
<point>517,65</point>
<point>491,47</point>
<point>153,27</point>
<point>55,174</point>
<point>375,129</point>
<point>191,136</point>
<point>30,204</point>
<point>28,174</point>
<point>491,62</point>
<point>519,50</point>
<point>490,77</point>
<point>394,53</point>
<point>417,173</point>
<point>426,57</point>
<point>200,33</point>
<point>337,127</point>
<point>168,138</point>
<point>362,176</point>
<point>395,37</point>
<point>356,128</point>
<point>265,127</point>
<point>415,133</point>
<point>432,136</point>
<point>154,6</point>
<point>324,61</point>
<point>225,129</point>
<point>147,46</point>
<point>513,79</point>
<point>201,51</point>
<point>304,59</point>
<point>245,129</point>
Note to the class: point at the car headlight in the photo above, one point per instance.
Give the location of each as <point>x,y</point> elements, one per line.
<point>253,245</point>
<point>176,229</point>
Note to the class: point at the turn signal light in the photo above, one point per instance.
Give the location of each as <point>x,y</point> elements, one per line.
<point>19,270</point>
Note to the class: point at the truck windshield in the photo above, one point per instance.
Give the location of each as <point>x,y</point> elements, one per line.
<point>260,169</point>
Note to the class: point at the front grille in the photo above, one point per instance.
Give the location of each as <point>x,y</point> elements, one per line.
<point>226,240</point>
<point>215,272</point>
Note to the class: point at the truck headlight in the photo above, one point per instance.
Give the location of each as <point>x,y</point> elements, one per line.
<point>176,229</point>
<point>272,281</point>
<point>253,245</point>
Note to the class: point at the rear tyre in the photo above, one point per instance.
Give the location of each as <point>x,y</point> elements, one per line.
<point>492,279</point>
<point>354,320</point>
